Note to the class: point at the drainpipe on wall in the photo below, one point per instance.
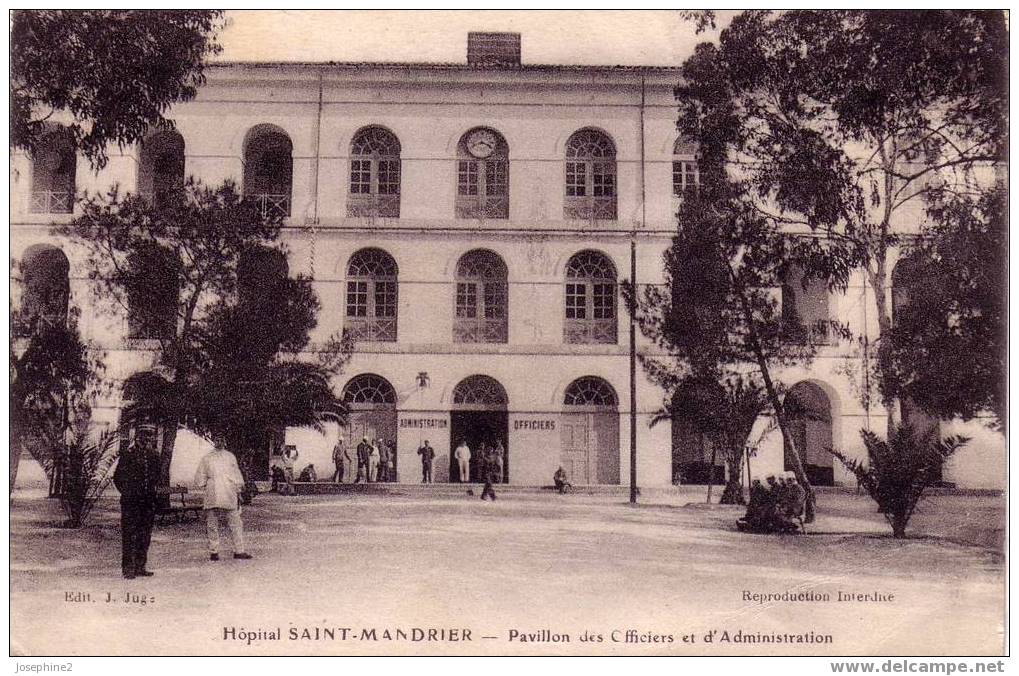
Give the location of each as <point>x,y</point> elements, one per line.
<point>314,183</point>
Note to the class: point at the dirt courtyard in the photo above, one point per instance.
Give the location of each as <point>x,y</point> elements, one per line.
<point>532,573</point>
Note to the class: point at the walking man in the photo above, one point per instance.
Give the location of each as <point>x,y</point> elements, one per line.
<point>136,477</point>
<point>427,454</point>
<point>221,478</point>
<point>341,458</point>
<point>488,471</point>
<point>462,454</point>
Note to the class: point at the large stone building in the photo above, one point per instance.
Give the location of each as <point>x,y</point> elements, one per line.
<point>471,224</point>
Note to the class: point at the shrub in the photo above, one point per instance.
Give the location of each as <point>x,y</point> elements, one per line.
<point>87,472</point>
<point>899,471</point>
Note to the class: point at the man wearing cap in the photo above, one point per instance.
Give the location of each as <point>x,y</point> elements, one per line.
<point>136,477</point>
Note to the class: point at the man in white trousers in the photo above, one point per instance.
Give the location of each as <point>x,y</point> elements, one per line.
<point>463,459</point>
<point>221,478</point>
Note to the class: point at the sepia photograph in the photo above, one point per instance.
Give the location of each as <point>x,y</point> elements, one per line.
<point>509,333</point>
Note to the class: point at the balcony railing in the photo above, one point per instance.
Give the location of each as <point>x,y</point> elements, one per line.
<point>374,330</point>
<point>590,331</point>
<point>590,208</point>
<point>479,331</point>
<point>271,205</point>
<point>52,202</point>
<point>473,206</point>
<point>373,206</point>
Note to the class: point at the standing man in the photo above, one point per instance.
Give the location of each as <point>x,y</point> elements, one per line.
<point>383,460</point>
<point>363,453</point>
<point>498,452</point>
<point>427,454</point>
<point>136,477</point>
<point>221,478</point>
<point>373,462</point>
<point>341,458</point>
<point>462,454</point>
<point>488,471</point>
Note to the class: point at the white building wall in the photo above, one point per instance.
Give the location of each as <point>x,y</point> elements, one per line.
<point>429,110</point>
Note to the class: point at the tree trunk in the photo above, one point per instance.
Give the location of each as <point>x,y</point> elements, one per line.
<point>15,452</point>
<point>165,458</point>
<point>776,404</point>
<point>899,522</point>
<point>733,493</point>
<point>711,473</point>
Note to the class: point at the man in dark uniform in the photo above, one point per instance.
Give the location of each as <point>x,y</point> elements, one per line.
<point>488,471</point>
<point>136,477</point>
<point>427,454</point>
<point>364,450</point>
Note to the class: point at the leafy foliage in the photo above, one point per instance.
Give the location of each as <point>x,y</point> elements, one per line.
<point>55,378</point>
<point>900,470</point>
<point>948,345</point>
<point>847,123</point>
<point>86,464</point>
<point>115,72</point>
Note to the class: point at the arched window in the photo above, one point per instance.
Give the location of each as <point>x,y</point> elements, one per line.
<point>54,166</point>
<point>153,292</point>
<point>808,410</point>
<point>46,287</point>
<point>482,169</point>
<point>590,391</point>
<point>686,176</point>
<point>480,393</point>
<point>590,176</point>
<point>369,389</point>
<point>161,165</point>
<point>481,299</point>
<point>371,296</point>
<point>374,174</point>
<point>269,170</point>
<point>590,299</point>
<point>805,308</point>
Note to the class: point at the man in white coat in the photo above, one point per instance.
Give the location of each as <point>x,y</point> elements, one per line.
<point>463,459</point>
<point>221,478</point>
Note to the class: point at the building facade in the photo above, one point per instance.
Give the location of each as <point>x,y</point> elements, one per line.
<point>471,226</point>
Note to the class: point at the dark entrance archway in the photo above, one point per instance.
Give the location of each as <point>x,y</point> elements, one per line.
<point>479,416</point>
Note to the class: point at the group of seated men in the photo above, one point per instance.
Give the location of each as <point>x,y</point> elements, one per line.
<point>775,507</point>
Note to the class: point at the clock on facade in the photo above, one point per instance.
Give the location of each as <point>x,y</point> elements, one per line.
<point>482,143</point>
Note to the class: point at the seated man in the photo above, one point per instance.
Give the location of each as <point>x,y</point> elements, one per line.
<point>308,474</point>
<point>794,499</point>
<point>559,479</point>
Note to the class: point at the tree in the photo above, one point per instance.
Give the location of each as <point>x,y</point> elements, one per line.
<point>850,124</point>
<point>204,274</point>
<point>54,376</point>
<point>724,409</point>
<point>948,344</point>
<point>718,315</point>
<point>898,471</point>
<point>115,72</point>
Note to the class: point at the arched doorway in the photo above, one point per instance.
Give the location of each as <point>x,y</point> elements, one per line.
<point>479,416</point>
<point>45,287</point>
<point>808,411</point>
<point>695,460</point>
<point>590,432</point>
<point>371,401</point>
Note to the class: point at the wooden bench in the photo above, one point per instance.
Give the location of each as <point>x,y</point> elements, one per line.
<point>181,512</point>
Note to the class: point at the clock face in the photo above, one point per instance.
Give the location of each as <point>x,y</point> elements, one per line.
<point>482,143</point>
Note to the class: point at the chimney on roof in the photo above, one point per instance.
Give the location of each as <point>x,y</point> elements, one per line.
<point>493,49</point>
